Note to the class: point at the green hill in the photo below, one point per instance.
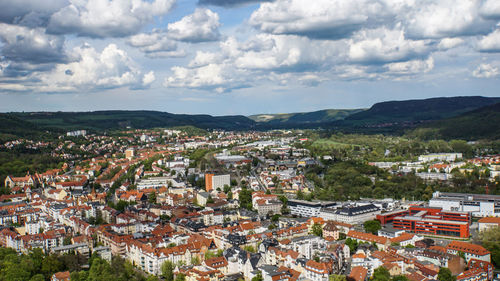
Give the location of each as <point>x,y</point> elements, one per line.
<point>116,119</point>
<point>420,110</point>
<point>315,117</point>
<point>482,123</point>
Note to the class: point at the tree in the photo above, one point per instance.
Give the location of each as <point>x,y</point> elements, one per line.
<point>167,271</point>
<point>67,240</point>
<point>152,198</point>
<point>195,260</point>
<point>337,277</point>
<point>210,200</point>
<point>151,278</point>
<point>352,244</point>
<point>38,277</point>
<point>490,239</point>
<point>275,218</point>
<point>372,226</point>
<point>51,265</point>
<point>317,230</point>
<point>245,198</point>
<point>258,277</point>
<point>381,274</point>
<point>180,277</point>
<point>399,278</point>
<point>445,275</point>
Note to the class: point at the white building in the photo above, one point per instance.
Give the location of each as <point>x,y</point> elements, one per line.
<point>479,205</point>
<point>306,208</point>
<point>440,157</point>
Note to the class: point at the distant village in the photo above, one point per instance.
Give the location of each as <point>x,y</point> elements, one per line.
<point>224,206</point>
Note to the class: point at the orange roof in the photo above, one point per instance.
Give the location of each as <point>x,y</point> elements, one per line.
<point>62,276</point>
<point>490,220</point>
<point>402,237</point>
<point>467,248</point>
<point>359,256</point>
<point>367,237</point>
<point>358,273</point>
<point>318,267</point>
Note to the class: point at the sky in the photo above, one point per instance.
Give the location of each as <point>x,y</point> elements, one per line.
<point>228,57</point>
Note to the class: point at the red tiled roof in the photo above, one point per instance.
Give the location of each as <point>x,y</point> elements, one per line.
<point>490,220</point>
<point>358,273</point>
<point>467,248</point>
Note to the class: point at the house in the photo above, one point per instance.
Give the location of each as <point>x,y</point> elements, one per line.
<point>316,271</point>
<point>381,242</point>
<point>27,180</point>
<point>358,273</point>
<point>485,223</point>
<point>471,251</point>
<point>406,239</point>
<point>330,229</point>
<point>217,263</point>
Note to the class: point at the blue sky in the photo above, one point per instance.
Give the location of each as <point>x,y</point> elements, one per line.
<point>243,57</point>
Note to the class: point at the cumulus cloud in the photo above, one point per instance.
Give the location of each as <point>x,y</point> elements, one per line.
<point>445,18</point>
<point>156,44</point>
<point>230,3</point>
<point>212,77</point>
<point>449,43</point>
<point>29,12</point>
<point>111,68</point>
<point>485,70</point>
<point>490,42</point>
<point>384,45</point>
<point>201,26</point>
<point>490,9</point>
<point>410,67</point>
<point>327,19</point>
<point>106,18</point>
<point>22,44</point>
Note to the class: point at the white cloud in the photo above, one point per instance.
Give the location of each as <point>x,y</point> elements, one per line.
<point>204,58</point>
<point>106,18</point>
<point>490,42</point>
<point>148,78</point>
<point>23,44</point>
<point>485,70</point>
<point>214,77</point>
<point>28,12</point>
<point>383,45</point>
<point>449,43</point>
<point>201,26</point>
<point>490,9</point>
<point>328,19</point>
<point>445,18</point>
<point>156,44</point>
<point>410,67</point>
<point>111,68</point>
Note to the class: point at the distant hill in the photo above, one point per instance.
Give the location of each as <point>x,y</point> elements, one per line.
<point>420,110</point>
<point>482,123</point>
<point>315,117</point>
<point>116,119</point>
<point>12,127</point>
<point>393,117</point>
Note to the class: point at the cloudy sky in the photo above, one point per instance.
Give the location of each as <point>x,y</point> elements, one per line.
<point>243,56</point>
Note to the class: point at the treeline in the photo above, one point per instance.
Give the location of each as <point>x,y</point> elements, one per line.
<point>36,266</point>
<point>18,163</point>
<point>355,179</point>
<point>392,148</point>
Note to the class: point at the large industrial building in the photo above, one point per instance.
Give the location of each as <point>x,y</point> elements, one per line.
<point>429,221</point>
<point>306,208</point>
<point>479,205</point>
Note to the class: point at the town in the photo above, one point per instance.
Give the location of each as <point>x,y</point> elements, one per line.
<point>188,204</point>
